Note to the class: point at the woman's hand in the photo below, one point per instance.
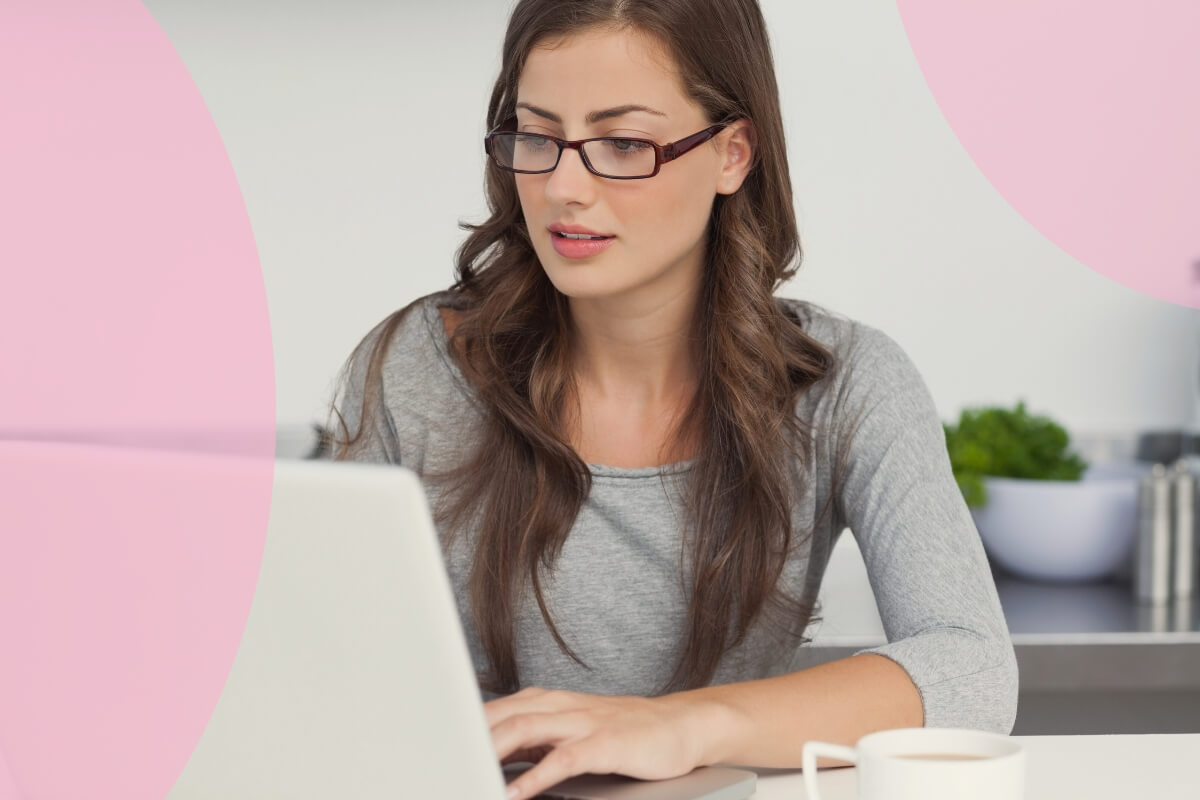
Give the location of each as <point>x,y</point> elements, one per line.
<point>569,734</point>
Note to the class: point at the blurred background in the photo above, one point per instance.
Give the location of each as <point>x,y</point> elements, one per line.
<point>355,130</point>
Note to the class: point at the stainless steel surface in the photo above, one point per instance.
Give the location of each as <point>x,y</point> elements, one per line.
<point>1098,613</point>
<point>1183,505</point>
<point>1068,637</point>
<point>1152,549</point>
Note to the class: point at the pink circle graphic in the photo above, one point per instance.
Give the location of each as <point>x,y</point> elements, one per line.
<point>133,333</point>
<point>1083,114</point>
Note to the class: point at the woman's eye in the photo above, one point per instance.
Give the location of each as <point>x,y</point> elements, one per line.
<point>628,145</point>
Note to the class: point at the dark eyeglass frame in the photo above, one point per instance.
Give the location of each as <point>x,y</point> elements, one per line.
<point>662,152</point>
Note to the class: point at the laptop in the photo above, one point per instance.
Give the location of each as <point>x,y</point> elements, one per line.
<point>353,677</point>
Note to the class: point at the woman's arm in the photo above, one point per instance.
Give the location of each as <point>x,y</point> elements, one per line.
<point>762,723</point>
<point>765,723</point>
<point>928,570</point>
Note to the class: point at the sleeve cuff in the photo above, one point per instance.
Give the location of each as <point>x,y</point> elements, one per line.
<point>964,681</point>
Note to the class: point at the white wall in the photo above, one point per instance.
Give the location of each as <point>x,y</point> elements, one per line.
<point>355,129</point>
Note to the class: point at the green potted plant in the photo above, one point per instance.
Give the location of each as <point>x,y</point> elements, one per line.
<point>1036,513</point>
<point>1010,443</point>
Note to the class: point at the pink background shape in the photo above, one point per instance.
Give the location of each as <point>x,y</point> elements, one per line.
<point>1084,115</point>
<point>133,312</point>
<point>125,586</point>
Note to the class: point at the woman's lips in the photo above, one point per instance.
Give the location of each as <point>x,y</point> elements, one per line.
<point>579,248</point>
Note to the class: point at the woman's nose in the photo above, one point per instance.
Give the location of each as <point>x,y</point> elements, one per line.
<point>570,178</point>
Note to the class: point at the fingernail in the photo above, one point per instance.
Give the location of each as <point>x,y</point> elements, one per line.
<point>513,792</point>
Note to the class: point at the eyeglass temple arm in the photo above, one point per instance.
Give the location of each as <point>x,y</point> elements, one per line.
<point>676,149</point>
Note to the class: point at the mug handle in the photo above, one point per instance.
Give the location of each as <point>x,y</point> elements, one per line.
<point>809,755</point>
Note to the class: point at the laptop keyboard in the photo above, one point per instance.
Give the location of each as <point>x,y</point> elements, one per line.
<point>512,771</point>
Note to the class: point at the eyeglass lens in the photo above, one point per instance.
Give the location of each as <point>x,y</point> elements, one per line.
<point>623,158</point>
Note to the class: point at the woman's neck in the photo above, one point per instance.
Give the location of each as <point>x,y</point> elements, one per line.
<point>641,352</point>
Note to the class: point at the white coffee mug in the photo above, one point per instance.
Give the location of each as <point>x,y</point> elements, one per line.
<point>927,764</point>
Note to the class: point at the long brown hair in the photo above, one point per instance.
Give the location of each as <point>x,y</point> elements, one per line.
<point>521,490</point>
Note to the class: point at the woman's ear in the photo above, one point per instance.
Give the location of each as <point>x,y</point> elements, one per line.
<point>737,144</point>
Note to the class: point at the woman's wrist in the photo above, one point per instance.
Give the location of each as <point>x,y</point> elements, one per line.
<point>708,727</point>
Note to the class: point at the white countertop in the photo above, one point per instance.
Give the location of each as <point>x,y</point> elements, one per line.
<point>1119,767</point>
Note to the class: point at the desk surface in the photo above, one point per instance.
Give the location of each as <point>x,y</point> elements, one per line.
<point>1057,767</point>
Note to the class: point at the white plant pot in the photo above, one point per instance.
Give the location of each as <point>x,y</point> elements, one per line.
<point>1068,531</point>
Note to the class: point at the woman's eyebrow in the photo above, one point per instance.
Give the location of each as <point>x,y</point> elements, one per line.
<point>595,116</point>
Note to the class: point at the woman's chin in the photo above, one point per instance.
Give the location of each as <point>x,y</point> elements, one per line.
<point>580,282</point>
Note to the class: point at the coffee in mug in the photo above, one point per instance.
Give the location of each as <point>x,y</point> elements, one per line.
<point>927,764</point>
<point>942,756</point>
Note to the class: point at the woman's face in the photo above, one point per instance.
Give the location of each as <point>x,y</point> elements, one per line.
<point>658,223</point>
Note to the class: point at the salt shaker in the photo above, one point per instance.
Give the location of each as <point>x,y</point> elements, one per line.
<point>1183,530</point>
<point>1152,555</point>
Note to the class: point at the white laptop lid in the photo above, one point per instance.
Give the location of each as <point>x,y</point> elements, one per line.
<point>352,616</point>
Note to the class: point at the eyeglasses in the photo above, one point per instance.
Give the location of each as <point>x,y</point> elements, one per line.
<point>621,158</point>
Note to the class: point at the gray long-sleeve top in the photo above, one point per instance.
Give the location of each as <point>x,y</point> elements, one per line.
<point>615,592</point>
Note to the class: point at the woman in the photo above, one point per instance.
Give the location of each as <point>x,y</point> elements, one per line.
<point>638,456</point>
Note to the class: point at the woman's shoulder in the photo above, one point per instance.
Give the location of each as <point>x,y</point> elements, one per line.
<point>868,363</point>
<point>417,370</point>
<point>849,339</point>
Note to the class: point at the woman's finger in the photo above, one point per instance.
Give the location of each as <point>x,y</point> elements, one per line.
<point>561,763</point>
<point>528,701</point>
<point>539,729</point>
